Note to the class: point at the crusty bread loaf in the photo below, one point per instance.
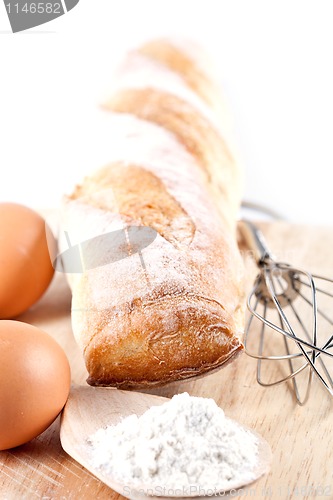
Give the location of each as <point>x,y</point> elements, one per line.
<point>174,309</point>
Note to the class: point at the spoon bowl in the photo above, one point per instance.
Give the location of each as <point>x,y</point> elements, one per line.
<point>90,408</point>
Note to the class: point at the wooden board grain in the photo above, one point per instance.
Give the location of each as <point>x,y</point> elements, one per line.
<point>300,437</point>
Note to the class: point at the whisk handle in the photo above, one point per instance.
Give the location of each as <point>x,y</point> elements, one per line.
<point>255,241</point>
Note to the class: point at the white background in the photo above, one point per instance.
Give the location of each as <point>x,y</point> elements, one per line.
<point>274,61</point>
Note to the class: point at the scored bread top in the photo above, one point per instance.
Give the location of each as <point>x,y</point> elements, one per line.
<point>176,309</point>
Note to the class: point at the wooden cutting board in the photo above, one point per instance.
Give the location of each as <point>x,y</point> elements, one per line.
<point>300,437</point>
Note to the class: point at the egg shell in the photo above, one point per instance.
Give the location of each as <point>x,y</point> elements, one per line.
<point>25,263</point>
<point>34,382</point>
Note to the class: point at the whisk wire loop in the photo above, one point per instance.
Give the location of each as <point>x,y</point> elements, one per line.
<point>281,288</point>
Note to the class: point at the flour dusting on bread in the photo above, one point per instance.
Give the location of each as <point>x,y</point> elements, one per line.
<point>174,308</point>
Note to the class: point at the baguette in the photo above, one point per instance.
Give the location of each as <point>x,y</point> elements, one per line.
<point>175,308</point>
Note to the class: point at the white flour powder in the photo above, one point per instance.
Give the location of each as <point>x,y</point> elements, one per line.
<point>184,442</point>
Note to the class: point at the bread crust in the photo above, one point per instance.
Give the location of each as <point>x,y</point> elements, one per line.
<point>175,309</point>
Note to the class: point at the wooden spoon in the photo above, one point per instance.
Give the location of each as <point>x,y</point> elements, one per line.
<point>90,408</point>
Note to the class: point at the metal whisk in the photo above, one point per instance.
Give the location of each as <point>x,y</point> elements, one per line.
<point>286,314</point>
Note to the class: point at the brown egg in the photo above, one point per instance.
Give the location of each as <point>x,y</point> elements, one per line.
<point>26,268</point>
<point>34,382</point>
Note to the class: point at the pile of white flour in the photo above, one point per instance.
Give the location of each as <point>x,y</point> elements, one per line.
<point>184,442</point>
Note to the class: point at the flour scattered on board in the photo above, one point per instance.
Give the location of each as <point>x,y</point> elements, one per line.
<point>185,442</point>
